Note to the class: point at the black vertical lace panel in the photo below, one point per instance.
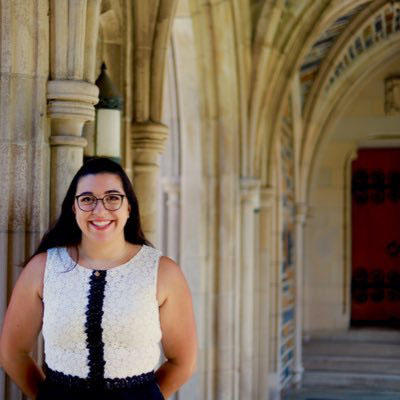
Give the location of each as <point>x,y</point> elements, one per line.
<point>93,329</point>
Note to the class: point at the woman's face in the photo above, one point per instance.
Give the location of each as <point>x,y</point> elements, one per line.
<point>101,224</point>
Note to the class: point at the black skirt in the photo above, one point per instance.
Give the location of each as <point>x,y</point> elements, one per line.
<point>148,391</point>
<point>56,388</point>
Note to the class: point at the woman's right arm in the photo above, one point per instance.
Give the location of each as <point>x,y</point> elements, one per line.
<point>21,327</point>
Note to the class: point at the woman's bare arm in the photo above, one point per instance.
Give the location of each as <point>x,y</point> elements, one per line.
<point>21,327</point>
<point>179,339</point>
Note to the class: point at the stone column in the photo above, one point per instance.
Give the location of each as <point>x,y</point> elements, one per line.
<point>71,93</point>
<point>249,203</point>
<point>171,186</point>
<point>152,21</point>
<point>301,212</point>
<point>148,141</point>
<point>24,71</point>
<point>264,276</point>
<point>70,106</point>
<point>273,219</point>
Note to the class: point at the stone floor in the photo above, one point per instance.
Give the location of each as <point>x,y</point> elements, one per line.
<point>358,364</point>
<point>339,394</point>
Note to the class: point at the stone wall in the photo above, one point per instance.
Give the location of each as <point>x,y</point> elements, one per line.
<point>24,150</point>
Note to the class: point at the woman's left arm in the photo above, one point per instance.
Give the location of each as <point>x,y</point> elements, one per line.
<point>179,339</point>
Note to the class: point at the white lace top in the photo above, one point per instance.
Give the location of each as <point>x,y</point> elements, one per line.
<point>101,323</point>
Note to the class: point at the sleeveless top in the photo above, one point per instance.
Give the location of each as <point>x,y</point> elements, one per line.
<point>101,324</point>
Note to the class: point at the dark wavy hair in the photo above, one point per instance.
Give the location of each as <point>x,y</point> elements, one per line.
<point>66,232</point>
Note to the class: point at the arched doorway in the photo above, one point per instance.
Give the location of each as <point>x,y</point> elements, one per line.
<point>348,119</point>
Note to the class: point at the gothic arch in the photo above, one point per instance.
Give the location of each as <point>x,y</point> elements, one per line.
<point>327,191</point>
<point>327,106</point>
<point>335,53</point>
<point>278,64</point>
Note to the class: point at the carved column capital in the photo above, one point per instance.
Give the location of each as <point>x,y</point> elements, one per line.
<point>70,105</point>
<point>71,90</point>
<point>67,140</point>
<point>149,136</point>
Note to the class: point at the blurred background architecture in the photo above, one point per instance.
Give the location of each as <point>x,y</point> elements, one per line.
<point>263,140</point>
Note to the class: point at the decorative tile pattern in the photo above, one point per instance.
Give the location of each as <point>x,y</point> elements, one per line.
<point>287,266</point>
<point>312,62</point>
<point>381,26</point>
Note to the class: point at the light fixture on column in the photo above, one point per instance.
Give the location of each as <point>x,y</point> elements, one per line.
<point>108,118</point>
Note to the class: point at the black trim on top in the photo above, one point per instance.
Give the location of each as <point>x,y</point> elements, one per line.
<point>93,329</point>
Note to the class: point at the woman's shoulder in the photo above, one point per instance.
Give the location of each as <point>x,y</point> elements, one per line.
<point>33,272</point>
<point>38,261</point>
<point>37,264</point>
<point>170,277</point>
<point>168,266</point>
<point>169,273</point>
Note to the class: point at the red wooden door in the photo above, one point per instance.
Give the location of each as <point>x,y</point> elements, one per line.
<point>376,237</point>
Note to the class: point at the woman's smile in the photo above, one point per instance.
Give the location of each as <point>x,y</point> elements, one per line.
<point>101,225</point>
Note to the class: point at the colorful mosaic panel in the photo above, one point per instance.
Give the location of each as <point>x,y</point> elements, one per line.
<point>382,26</point>
<point>287,266</point>
<point>312,62</point>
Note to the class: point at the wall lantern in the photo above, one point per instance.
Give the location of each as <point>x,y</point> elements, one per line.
<point>107,138</point>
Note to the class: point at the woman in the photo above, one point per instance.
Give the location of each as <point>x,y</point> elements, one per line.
<point>104,300</point>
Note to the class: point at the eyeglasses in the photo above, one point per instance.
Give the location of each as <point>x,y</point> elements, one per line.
<point>111,202</point>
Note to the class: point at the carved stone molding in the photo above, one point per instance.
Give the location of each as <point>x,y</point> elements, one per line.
<point>66,140</point>
<point>71,104</point>
<point>70,90</point>
<point>149,136</point>
<point>392,95</point>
